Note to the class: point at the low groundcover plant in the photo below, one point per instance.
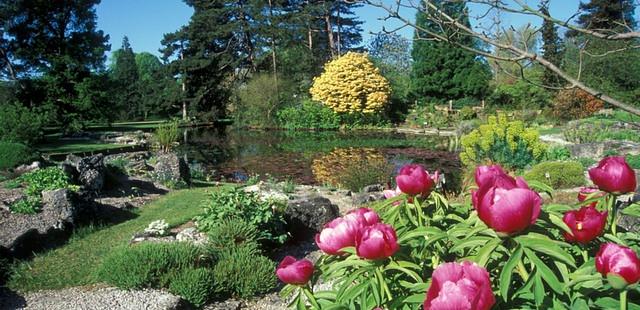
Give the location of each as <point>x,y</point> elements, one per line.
<point>506,249</point>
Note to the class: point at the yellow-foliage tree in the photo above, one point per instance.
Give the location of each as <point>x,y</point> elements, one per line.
<point>351,84</point>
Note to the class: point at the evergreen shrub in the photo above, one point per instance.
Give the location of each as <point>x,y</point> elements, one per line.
<point>243,272</point>
<point>195,285</point>
<point>558,174</point>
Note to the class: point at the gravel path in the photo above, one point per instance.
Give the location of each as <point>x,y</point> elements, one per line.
<point>90,299</point>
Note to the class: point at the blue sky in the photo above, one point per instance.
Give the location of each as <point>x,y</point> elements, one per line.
<point>145,21</point>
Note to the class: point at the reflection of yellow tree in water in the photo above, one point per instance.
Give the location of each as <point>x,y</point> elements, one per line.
<point>352,168</point>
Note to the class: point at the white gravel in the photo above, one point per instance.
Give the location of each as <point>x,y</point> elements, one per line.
<point>90,299</point>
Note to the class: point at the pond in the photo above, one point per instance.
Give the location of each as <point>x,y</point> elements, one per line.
<point>340,159</point>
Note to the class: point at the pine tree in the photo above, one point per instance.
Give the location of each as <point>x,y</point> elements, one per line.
<point>58,52</point>
<point>442,71</point>
<point>607,14</point>
<point>202,55</point>
<point>125,76</point>
<point>551,48</point>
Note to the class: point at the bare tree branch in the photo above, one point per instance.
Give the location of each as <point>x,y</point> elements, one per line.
<point>447,24</point>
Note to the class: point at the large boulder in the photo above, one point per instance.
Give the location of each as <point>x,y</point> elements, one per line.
<point>88,171</point>
<point>307,216</point>
<point>170,167</point>
<point>21,234</point>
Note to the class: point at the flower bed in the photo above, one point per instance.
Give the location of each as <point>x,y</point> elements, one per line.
<point>504,250</point>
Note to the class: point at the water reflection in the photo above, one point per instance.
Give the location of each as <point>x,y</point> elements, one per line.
<point>314,157</point>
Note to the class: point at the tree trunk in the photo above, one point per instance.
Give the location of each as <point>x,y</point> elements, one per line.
<point>329,29</point>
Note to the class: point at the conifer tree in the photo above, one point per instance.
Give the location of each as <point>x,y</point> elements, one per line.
<point>551,48</point>
<point>125,76</point>
<point>442,71</point>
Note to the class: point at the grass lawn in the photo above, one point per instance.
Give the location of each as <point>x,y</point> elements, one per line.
<point>74,263</point>
<point>61,146</point>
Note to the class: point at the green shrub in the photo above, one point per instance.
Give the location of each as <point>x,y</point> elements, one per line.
<point>243,272</point>
<point>14,154</point>
<point>501,141</point>
<point>308,115</point>
<point>248,207</point>
<point>467,113</point>
<point>118,165</point>
<point>45,179</point>
<point>27,205</point>
<point>363,173</point>
<point>19,124</point>
<point>149,264</point>
<point>166,134</point>
<point>232,232</point>
<point>558,174</point>
<point>35,183</point>
<point>586,161</point>
<point>257,102</point>
<point>633,161</point>
<point>195,285</point>
<point>558,153</point>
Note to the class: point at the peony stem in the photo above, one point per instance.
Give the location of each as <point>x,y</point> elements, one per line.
<point>523,271</point>
<point>623,300</point>
<point>613,210</point>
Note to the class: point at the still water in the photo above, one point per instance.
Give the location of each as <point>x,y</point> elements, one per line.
<point>308,157</point>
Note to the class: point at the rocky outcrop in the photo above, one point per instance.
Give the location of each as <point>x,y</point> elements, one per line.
<point>307,215</point>
<point>87,171</point>
<point>21,234</point>
<point>597,149</point>
<point>170,167</point>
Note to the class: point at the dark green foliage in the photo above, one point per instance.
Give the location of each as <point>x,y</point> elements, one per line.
<point>558,174</point>
<point>441,70</point>
<point>195,285</point>
<point>5,267</point>
<point>243,272</point>
<point>20,124</point>
<point>236,203</point>
<point>125,76</point>
<point>308,115</point>
<point>56,50</point>
<point>14,154</point>
<point>551,48</point>
<point>232,233</point>
<point>607,14</point>
<point>150,264</point>
<point>518,95</point>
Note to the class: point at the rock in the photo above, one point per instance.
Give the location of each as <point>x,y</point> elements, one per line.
<point>265,193</point>
<point>21,234</point>
<point>307,216</point>
<point>88,171</point>
<point>191,234</point>
<point>597,149</point>
<point>366,198</point>
<point>373,188</point>
<point>229,304</point>
<point>171,167</point>
<point>22,169</point>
